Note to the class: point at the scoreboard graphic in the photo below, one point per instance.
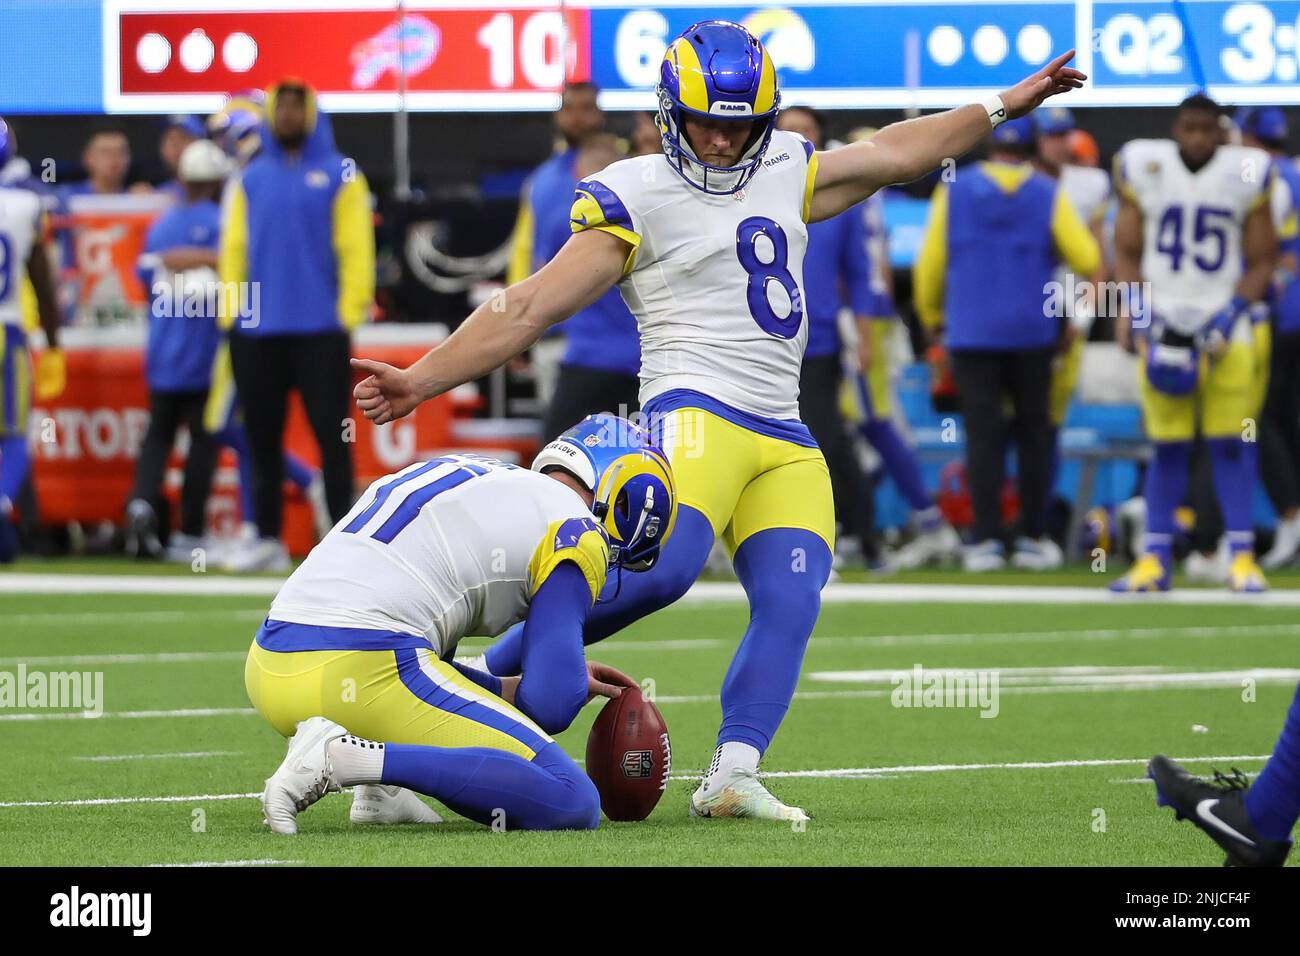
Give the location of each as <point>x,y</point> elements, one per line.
<point>185,55</point>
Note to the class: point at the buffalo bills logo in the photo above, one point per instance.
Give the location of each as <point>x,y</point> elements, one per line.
<point>408,46</point>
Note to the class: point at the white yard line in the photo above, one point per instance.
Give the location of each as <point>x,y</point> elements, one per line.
<point>187,755</point>
<point>116,801</point>
<point>178,657</point>
<point>130,617</point>
<point>702,592</point>
<point>129,714</point>
<point>871,772</point>
<point>687,644</point>
<point>202,863</point>
<point>845,773</point>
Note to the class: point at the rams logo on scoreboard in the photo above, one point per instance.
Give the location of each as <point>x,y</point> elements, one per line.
<point>785,36</point>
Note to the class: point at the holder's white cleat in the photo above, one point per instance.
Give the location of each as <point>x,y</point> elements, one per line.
<point>304,777</point>
<point>380,803</point>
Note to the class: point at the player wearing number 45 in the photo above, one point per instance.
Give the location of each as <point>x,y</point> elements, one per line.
<point>1195,224</point>
<point>355,656</point>
<point>706,242</point>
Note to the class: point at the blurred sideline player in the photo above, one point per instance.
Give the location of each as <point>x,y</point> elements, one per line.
<point>24,257</point>
<point>995,240</point>
<point>238,129</point>
<point>355,658</point>
<point>602,351</point>
<point>1252,823</point>
<point>870,399</point>
<point>706,243</point>
<point>179,264</point>
<point>1194,223</point>
<point>1088,189</point>
<point>544,205</point>
<point>836,272</point>
<point>1209,559</point>
<point>1279,434</point>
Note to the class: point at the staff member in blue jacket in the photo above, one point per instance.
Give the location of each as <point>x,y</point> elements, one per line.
<point>178,266</point>
<point>602,354</point>
<point>987,263</point>
<point>836,271</point>
<point>544,205</point>
<point>297,238</point>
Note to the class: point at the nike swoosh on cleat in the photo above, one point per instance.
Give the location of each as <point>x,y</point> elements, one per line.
<point>1203,811</point>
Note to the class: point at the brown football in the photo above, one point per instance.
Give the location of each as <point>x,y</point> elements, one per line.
<point>628,756</point>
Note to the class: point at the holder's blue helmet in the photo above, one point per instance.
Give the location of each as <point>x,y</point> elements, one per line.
<point>6,143</point>
<point>631,482</point>
<point>716,69</point>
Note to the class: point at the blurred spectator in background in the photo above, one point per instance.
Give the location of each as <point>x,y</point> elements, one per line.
<point>646,136</point>
<point>992,243</point>
<point>177,133</point>
<point>238,128</point>
<point>544,205</point>
<point>298,243</point>
<point>871,396</point>
<point>178,267</point>
<point>836,272</point>
<point>602,354</point>
<point>26,260</point>
<point>1088,190</point>
<point>106,160</point>
<point>1279,428</point>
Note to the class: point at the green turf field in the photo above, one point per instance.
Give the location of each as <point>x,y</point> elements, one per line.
<point>1087,691</point>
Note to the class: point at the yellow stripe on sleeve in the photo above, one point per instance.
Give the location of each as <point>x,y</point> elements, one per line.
<point>354,251</point>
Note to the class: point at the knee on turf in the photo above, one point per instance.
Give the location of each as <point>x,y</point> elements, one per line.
<point>580,807</point>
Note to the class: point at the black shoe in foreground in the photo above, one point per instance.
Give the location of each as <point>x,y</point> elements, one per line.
<point>1218,809</point>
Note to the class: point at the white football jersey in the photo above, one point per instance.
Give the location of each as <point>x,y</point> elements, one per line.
<point>1192,224</point>
<point>1088,189</point>
<point>444,549</point>
<point>20,225</point>
<point>715,282</point>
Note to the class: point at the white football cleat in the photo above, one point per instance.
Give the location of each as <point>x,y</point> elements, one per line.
<point>1286,545</point>
<point>740,794</point>
<point>304,777</point>
<point>264,554</point>
<point>379,803</point>
<point>941,544</point>
<point>985,556</point>
<point>1208,568</point>
<point>1042,554</point>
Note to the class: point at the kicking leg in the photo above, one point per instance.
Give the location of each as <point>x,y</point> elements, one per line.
<point>783,542</point>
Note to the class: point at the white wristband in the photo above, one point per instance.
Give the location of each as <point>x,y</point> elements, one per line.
<point>996,109</point>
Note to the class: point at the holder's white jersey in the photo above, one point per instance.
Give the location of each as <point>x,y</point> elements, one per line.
<point>20,227</point>
<point>444,549</point>
<point>1192,223</point>
<point>715,282</point>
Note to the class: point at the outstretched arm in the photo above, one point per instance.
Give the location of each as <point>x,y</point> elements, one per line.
<point>905,151</point>
<point>588,265</point>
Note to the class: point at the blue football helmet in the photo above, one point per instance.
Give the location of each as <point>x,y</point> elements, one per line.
<point>237,126</point>
<point>635,498</point>
<point>7,146</point>
<point>716,69</point>
<point>1173,369</point>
